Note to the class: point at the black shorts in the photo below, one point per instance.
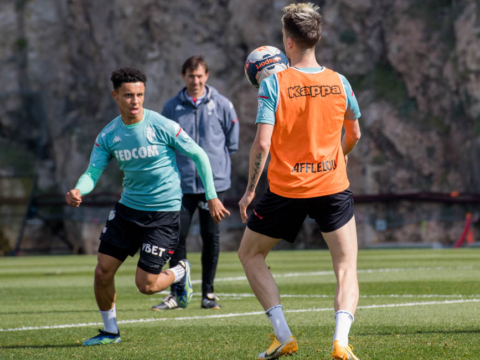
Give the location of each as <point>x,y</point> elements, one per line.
<point>282,218</point>
<point>155,233</point>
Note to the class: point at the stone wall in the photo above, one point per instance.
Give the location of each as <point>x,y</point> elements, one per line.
<point>414,65</point>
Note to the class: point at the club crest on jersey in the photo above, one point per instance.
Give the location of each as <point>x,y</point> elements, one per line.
<point>150,133</point>
<point>211,107</point>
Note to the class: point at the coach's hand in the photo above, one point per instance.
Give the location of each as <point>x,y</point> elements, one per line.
<point>244,202</point>
<point>217,210</point>
<point>74,198</point>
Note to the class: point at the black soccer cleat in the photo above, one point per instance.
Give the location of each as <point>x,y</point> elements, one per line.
<point>210,302</point>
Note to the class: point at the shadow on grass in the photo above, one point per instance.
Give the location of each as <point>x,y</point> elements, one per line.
<point>39,346</point>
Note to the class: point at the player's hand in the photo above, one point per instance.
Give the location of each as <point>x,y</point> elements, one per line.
<point>217,210</point>
<point>244,202</point>
<point>73,198</point>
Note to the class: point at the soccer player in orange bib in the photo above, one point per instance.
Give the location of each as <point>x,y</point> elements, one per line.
<point>301,113</point>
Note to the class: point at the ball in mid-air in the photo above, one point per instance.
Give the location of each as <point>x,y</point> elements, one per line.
<point>264,61</point>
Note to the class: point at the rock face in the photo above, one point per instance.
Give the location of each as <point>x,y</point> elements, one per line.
<point>414,65</point>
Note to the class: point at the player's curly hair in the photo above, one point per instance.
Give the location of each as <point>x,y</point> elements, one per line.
<point>303,23</point>
<point>127,75</point>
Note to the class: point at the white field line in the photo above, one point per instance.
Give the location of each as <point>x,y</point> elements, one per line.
<point>427,296</point>
<point>233,295</point>
<point>220,316</point>
<point>364,271</point>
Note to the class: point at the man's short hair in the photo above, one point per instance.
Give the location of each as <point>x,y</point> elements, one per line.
<point>127,75</point>
<point>193,62</point>
<point>303,23</point>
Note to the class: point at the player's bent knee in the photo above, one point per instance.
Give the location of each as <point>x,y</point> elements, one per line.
<point>147,286</point>
<point>102,275</point>
<point>347,271</point>
<point>245,253</point>
<point>248,256</point>
<point>244,256</point>
<point>240,254</point>
<point>146,289</point>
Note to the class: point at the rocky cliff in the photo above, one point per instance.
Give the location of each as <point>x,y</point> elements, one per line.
<point>414,65</point>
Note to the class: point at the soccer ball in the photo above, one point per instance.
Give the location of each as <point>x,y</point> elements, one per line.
<point>264,61</point>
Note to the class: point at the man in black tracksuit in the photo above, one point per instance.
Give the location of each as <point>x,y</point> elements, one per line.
<point>210,119</point>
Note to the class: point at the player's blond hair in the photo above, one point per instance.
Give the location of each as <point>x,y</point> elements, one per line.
<point>303,23</point>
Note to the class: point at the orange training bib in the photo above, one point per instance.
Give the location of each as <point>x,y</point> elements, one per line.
<point>306,153</point>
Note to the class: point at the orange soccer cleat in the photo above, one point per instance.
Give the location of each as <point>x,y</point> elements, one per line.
<point>340,352</point>
<point>277,349</point>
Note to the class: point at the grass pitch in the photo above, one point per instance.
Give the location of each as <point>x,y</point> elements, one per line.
<point>414,304</point>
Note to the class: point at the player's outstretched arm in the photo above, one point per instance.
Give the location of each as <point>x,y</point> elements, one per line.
<point>217,210</point>
<point>84,186</point>
<point>258,157</point>
<point>73,198</point>
<point>215,206</point>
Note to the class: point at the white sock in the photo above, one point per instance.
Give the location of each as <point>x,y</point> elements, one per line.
<point>110,320</point>
<point>343,321</point>
<point>280,326</point>
<point>179,272</point>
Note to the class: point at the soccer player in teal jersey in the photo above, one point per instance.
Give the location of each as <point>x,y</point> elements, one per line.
<point>147,216</point>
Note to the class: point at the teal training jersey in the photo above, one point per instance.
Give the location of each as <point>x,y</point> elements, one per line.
<point>146,154</point>
<point>268,94</point>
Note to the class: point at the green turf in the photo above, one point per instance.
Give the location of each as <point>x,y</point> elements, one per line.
<point>57,290</point>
